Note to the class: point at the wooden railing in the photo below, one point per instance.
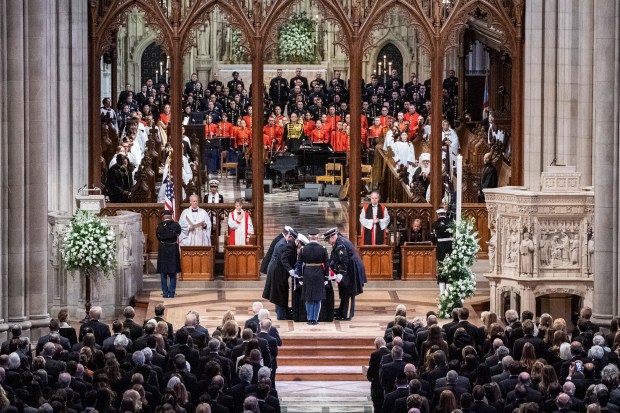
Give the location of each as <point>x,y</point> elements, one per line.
<point>151,216</point>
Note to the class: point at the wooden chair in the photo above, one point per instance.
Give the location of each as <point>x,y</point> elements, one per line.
<point>333,174</point>
<point>367,174</point>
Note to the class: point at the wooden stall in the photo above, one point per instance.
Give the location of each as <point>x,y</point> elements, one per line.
<point>197,263</point>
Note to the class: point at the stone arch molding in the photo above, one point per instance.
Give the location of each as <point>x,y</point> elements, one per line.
<point>402,48</point>
<point>539,292</point>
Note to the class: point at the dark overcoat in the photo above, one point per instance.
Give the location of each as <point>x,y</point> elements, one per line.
<point>168,254</point>
<point>282,261</point>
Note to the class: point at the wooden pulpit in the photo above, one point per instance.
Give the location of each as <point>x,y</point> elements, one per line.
<point>197,263</point>
<point>378,261</point>
<point>418,262</point>
<point>241,263</point>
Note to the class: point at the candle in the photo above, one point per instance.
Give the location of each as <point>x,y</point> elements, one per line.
<point>167,75</point>
<point>459,187</point>
<point>156,76</point>
<point>161,68</point>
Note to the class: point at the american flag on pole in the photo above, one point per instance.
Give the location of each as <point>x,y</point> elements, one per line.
<point>169,194</point>
<point>485,97</point>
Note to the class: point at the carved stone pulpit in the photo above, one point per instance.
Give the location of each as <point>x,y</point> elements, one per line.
<point>542,244</point>
<point>66,290</point>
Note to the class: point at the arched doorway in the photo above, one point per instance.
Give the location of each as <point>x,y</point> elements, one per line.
<point>389,58</point>
<point>153,61</point>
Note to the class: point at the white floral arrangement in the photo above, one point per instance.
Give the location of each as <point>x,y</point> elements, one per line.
<point>238,51</point>
<point>89,245</point>
<point>456,268</point>
<point>297,40</point>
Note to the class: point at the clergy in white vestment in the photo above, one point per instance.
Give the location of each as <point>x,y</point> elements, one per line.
<point>374,219</point>
<point>447,133</point>
<point>195,225</point>
<point>239,225</point>
<point>404,154</point>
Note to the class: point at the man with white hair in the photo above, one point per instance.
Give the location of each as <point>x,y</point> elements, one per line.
<point>195,225</point>
<point>422,174</point>
<point>257,306</point>
<point>100,330</point>
<point>199,339</point>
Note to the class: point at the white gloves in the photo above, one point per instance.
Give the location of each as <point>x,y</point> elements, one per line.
<point>325,283</point>
<point>293,273</point>
<point>301,283</point>
<point>338,277</point>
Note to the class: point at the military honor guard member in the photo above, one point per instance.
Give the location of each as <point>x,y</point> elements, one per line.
<point>443,239</point>
<point>312,270</point>
<point>350,272</point>
<point>168,254</point>
<point>280,268</point>
<point>374,218</point>
<point>195,225</point>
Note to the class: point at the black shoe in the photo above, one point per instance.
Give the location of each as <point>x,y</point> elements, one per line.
<point>309,323</point>
<point>315,322</point>
<point>346,319</point>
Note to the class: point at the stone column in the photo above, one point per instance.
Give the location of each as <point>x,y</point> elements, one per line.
<point>35,154</point>
<point>605,149</point>
<point>14,218</point>
<point>68,93</point>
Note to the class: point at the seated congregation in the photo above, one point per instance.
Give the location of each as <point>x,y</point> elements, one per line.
<point>143,368</point>
<point>513,366</point>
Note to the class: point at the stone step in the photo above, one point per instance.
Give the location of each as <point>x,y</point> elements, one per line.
<point>303,351</point>
<point>305,359</point>
<point>321,373</point>
<point>151,282</point>
<point>328,341</point>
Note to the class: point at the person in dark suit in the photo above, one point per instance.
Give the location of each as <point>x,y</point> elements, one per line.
<point>388,372</point>
<point>532,395</point>
<point>272,343</point>
<point>440,370</point>
<point>415,233</point>
<point>119,181</point>
<point>52,366</point>
<point>168,253</point>
<point>480,405</point>
<point>280,268</point>
<point>528,337</point>
<point>211,352</point>
<point>267,258</point>
<point>100,330</point>
<point>160,309</point>
<point>520,394</point>
<point>239,391</point>
<point>141,342</point>
<point>256,306</point>
<point>372,374</point>
<point>402,390</point>
<point>563,402</point>
<point>471,329</point>
<point>239,350</point>
<point>54,327</point>
<point>508,385</point>
<point>181,347</point>
<point>396,342</point>
<point>199,339</point>
<point>452,385</point>
<point>503,371</point>
<point>108,343</point>
<point>266,402</point>
<point>135,330</point>
<point>576,351</point>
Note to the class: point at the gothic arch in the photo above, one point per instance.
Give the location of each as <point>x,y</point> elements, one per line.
<point>402,48</point>
<point>376,18</point>
<point>496,17</point>
<point>199,13</point>
<point>104,30</point>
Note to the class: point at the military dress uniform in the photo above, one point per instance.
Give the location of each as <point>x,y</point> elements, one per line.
<point>280,267</point>
<point>443,239</point>
<point>310,290</point>
<point>278,91</point>
<point>168,254</point>
<point>346,262</point>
